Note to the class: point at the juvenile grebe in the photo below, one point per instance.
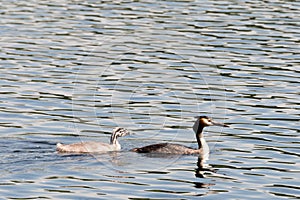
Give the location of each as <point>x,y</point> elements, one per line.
<point>169,148</point>
<point>94,147</point>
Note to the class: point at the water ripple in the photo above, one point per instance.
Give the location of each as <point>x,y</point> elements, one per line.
<point>73,71</point>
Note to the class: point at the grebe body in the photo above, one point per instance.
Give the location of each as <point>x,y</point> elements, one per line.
<point>169,148</point>
<point>95,147</point>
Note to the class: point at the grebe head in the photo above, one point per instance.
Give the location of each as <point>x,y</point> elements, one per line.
<point>206,121</point>
<point>203,121</point>
<point>119,132</point>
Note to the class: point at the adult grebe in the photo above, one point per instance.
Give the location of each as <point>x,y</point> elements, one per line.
<point>94,147</point>
<point>169,148</point>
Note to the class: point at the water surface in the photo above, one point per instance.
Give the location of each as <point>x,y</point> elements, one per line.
<point>71,71</point>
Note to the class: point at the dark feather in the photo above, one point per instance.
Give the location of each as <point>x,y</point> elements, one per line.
<point>166,148</point>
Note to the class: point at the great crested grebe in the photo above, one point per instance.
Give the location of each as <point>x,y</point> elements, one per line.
<point>169,148</point>
<point>95,147</point>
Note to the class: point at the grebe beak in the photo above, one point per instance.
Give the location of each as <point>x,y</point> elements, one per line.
<point>219,124</point>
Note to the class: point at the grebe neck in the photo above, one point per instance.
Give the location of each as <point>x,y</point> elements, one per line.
<point>114,142</point>
<point>113,139</point>
<point>199,135</point>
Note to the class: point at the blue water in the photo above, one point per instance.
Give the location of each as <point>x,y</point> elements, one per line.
<point>72,71</point>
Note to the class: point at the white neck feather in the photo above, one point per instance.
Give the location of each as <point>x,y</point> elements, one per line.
<point>205,148</point>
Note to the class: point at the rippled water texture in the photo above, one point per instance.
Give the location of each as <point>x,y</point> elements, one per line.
<point>73,70</point>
